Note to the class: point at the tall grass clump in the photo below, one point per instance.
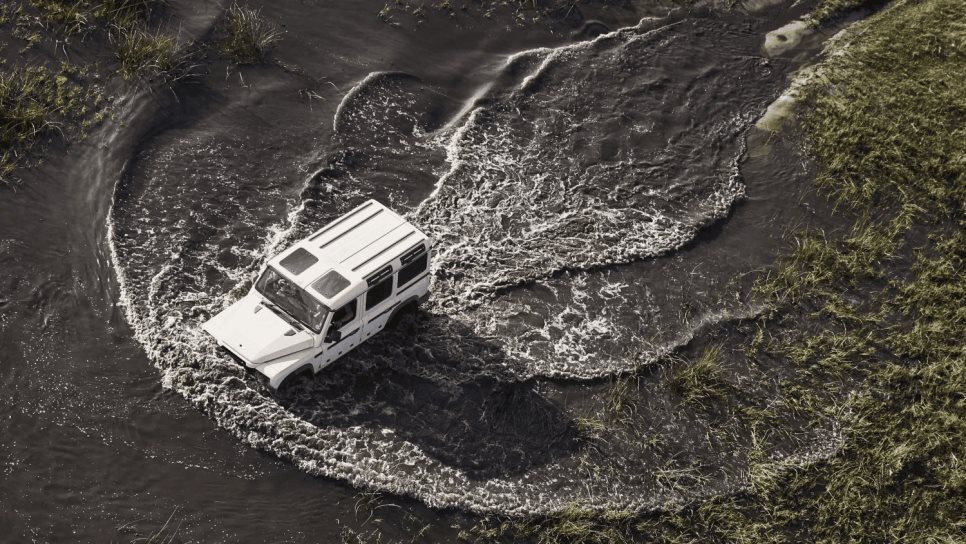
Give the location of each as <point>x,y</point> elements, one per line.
<point>149,55</point>
<point>700,381</point>
<point>619,399</point>
<point>144,53</point>
<point>248,36</point>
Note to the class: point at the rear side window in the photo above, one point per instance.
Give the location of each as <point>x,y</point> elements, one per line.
<point>412,270</point>
<point>378,293</point>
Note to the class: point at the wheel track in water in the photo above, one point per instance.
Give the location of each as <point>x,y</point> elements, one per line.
<point>454,375</point>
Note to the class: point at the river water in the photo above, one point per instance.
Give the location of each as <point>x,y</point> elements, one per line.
<point>599,198</point>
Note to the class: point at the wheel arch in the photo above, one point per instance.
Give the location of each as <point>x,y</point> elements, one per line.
<point>410,304</point>
<point>279,381</point>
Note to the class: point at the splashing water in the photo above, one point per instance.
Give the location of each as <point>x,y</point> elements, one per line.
<point>573,162</point>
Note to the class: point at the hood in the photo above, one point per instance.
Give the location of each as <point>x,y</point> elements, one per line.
<point>256,332</point>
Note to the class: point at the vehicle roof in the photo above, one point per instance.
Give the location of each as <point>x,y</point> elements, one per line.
<point>356,245</point>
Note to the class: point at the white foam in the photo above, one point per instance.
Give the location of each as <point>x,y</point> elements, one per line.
<point>351,95</point>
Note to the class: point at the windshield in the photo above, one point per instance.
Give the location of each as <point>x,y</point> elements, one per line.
<point>292,299</point>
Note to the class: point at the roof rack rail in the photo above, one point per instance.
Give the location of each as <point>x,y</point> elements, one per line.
<point>345,218</point>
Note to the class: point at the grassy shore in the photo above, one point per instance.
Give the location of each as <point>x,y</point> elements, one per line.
<point>881,305</point>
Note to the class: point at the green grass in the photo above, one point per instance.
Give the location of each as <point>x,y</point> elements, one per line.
<point>248,36</point>
<point>619,402</point>
<point>872,322</point>
<point>590,428</point>
<point>572,524</point>
<point>143,52</point>
<point>35,104</point>
<point>933,303</point>
<point>67,17</point>
<point>71,17</point>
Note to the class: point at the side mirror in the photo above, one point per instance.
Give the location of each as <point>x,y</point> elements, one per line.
<point>333,336</point>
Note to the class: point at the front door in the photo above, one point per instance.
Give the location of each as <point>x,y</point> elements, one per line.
<point>348,321</point>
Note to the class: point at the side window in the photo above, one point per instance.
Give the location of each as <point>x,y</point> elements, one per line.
<point>413,269</point>
<point>378,293</point>
<point>344,315</point>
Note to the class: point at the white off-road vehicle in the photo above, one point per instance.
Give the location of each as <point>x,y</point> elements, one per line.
<point>327,294</point>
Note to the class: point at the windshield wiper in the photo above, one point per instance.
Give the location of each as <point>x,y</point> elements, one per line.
<point>279,311</point>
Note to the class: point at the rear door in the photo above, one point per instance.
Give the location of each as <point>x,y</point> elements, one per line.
<point>379,301</point>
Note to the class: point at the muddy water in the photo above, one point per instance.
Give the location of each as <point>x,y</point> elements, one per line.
<point>596,202</point>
